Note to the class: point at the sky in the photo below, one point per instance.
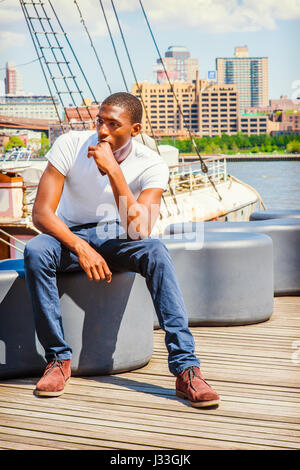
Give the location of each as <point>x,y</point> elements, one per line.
<point>207,28</point>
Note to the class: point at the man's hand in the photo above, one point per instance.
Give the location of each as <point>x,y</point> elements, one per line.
<point>103,156</point>
<point>92,262</point>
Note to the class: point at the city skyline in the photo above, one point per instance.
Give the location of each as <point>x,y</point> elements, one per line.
<point>267,30</point>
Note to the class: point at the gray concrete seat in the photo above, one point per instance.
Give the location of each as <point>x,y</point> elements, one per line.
<point>285,234</point>
<point>275,214</point>
<point>109,326</point>
<point>227,279</point>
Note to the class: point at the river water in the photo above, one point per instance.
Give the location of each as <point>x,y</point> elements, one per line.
<point>278,183</point>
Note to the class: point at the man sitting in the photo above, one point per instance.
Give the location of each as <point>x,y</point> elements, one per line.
<point>108,188</point>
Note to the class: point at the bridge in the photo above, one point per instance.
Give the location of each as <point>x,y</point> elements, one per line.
<point>20,123</point>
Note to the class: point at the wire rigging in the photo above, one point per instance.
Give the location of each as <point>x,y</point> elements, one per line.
<point>203,164</point>
<point>141,98</point>
<point>40,59</point>
<point>92,45</point>
<point>133,72</point>
<point>25,63</point>
<point>72,50</point>
<point>114,47</point>
<point>57,61</point>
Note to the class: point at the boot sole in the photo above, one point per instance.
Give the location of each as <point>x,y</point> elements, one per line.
<point>197,404</point>
<point>45,393</point>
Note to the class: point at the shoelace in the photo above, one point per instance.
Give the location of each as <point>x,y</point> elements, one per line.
<point>56,363</point>
<point>191,375</point>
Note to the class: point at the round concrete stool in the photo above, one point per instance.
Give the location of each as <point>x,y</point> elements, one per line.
<point>225,279</point>
<point>285,234</point>
<point>108,326</point>
<point>275,214</point>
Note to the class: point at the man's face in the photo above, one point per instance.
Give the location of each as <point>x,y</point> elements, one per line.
<point>114,126</point>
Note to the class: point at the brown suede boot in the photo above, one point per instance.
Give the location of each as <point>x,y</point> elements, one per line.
<point>55,377</point>
<point>191,385</point>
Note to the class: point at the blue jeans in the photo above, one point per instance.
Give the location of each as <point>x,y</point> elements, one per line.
<point>44,256</point>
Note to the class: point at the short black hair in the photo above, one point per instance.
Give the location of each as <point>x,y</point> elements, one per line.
<point>128,102</point>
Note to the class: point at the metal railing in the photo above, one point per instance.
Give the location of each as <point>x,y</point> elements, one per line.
<point>188,176</point>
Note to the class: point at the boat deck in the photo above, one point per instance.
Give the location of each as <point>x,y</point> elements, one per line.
<point>255,368</point>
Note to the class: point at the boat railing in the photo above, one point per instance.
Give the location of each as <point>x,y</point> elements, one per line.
<point>189,175</point>
<point>18,155</point>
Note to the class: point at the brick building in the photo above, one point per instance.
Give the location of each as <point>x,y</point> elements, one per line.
<point>86,112</point>
<point>206,108</point>
<point>256,123</point>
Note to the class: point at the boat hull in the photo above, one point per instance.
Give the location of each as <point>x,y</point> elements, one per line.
<point>233,201</point>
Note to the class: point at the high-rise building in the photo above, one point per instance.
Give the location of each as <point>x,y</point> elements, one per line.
<point>179,65</point>
<point>249,74</point>
<point>207,109</point>
<point>13,80</point>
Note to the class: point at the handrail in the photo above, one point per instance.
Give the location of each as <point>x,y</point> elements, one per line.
<point>10,244</point>
<point>19,187</point>
<point>216,171</point>
<point>196,162</point>
<point>11,236</point>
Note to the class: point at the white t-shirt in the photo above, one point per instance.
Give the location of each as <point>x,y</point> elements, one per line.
<point>87,196</point>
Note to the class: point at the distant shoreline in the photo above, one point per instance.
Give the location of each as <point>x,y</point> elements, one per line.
<point>258,157</point>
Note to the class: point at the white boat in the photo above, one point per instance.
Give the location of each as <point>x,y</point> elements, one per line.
<point>196,196</point>
<point>17,158</point>
<point>191,195</point>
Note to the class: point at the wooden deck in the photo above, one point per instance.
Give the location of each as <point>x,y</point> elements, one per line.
<point>255,368</point>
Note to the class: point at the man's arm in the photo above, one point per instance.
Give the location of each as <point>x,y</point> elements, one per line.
<point>44,218</point>
<point>137,215</point>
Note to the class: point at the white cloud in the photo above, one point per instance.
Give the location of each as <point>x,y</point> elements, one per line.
<point>10,39</point>
<point>10,11</point>
<point>217,16</point>
<point>211,16</point>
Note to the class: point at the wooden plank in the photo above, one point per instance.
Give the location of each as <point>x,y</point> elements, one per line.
<point>72,403</point>
<point>185,440</point>
<point>252,370</point>
<point>40,443</point>
<point>127,410</point>
<point>173,421</point>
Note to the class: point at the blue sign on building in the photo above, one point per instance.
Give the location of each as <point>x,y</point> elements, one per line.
<point>211,75</point>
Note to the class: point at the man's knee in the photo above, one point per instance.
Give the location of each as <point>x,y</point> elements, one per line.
<point>38,251</point>
<point>156,248</point>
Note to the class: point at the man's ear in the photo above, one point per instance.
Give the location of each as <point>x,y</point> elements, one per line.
<point>136,129</point>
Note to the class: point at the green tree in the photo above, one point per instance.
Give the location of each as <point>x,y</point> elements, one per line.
<point>293,147</point>
<point>14,141</point>
<point>45,145</point>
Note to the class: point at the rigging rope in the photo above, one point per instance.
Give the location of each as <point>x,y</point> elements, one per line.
<point>92,45</point>
<point>113,44</point>
<point>141,98</point>
<point>40,60</point>
<point>72,50</point>
<point>67,63</point>
<point>203,165</point>
<point>37,44</point>
<point>54,55</point>
<point>134,74</point>
<point>22,65</point>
